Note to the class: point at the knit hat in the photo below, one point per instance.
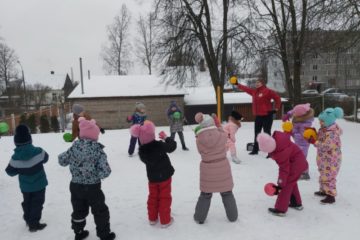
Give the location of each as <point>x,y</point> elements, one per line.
<point>301,109</point>
<point>22,135</point>
<point>329,115</point>
<point>145,132</point>
<point>205,120</point>
<point>139,106</point>
<point>199,117</point>
<point>77,109</point>
<point>236,115</point>
<point>266,143</point>
<point>88,129</point>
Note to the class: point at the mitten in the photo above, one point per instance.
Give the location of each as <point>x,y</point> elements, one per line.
<point>162,135</point>
<point>286,117</point>
<point>216,120</point>
<point>277,189</point>
<point>310,133</point>
<point>102,130</point>
<point>129,118</point>
<point>311,140</point>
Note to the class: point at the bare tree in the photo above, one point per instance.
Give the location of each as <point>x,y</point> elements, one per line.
<point>287,22</point>
<point>147,42</point>
<point>8,69</point>
<point>37,94</point>
<point>198,29</point>
<point>115,55</point>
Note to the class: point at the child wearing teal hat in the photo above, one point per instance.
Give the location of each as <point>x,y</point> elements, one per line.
<point>329,155</point>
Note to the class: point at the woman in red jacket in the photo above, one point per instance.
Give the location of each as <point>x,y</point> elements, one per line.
<point>262,108</point>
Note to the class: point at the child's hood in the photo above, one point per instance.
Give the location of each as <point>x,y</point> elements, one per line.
<point>335,128</point>
<point>282,141</point>
<point>26,152</point>
<point>211,137</point>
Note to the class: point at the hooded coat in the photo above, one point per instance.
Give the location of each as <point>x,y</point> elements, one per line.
<point>289,157</point>
<point>299,126</point>
<point>215,170</point>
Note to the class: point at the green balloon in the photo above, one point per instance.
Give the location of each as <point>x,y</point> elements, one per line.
<point>4,127</point>
<point>67,137</point>
<point>176,115</point>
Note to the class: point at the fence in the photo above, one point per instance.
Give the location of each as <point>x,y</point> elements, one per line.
<point>350,104</point>
<point>59,111</point>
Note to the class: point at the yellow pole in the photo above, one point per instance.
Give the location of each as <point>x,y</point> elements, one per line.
<point>218,103</point>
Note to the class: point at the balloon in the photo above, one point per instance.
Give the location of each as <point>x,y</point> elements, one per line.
<point>233,80</point>
<point>269,189</point>
<point>176,115</point>
<point>67,137</point>
<point>4,127</point>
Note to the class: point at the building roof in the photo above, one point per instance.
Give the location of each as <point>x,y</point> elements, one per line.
<point>124,86</point>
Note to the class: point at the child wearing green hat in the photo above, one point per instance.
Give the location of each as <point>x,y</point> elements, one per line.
<point>176,120</point>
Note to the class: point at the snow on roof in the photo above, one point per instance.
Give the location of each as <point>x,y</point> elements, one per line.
<point>124,86</point>
<point>206,95</point>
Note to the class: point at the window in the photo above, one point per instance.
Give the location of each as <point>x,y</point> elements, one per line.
<point>315,55</point>
<point>315,78</point>
<point>54,97</point>
<point>315,67</point>
<point>275,74</point>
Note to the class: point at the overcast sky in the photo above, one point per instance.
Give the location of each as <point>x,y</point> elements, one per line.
<point>52,34</point>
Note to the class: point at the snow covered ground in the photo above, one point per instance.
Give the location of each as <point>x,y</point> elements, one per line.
<point>126,193</point>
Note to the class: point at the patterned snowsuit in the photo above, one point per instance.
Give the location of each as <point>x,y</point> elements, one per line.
<point>328,157</point>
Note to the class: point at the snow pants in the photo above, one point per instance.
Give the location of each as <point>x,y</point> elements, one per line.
<point>88,196</point>
<point>33,206</point>
<point>287,193</point>
<point>159,201</point>
<point>132,145</point>
<point>262,122</point>
<point>230,146</point>
<point>203,206</point>
<point>181,136</point>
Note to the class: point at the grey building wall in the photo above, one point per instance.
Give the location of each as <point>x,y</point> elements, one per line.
<point>111,113</point>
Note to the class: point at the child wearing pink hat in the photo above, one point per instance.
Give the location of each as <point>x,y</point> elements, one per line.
<point>302,118</point>
<point>88,166</point>
<point>159,171</point>
<point>291,162</point>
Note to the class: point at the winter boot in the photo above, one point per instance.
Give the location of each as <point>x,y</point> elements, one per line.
<point>153,222</point>
<point>37,227</point>
<point>110,236</point>
<point>253,153</point>
<point>235,159</point>
<point>168,224</point>
<point>305,176</point>
<point>276,212</point>
<point>328,200</point>
<point>298,207</point>
<point>185,149</point>
<point>320,194</point>
<point>81,235</point>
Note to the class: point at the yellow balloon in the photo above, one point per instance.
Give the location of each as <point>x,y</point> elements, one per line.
<point>233,80</point>
<point>287,126</point>
<point>308,133</point>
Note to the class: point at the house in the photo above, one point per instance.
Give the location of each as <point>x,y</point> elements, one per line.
<point>110,99</point>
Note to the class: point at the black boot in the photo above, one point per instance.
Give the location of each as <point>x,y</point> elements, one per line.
<point>320,194</point>
<point>253,153</point>
<point>328,200</point>
<point>81,235</point>
<point>37,227</point>
<point>276,212</point>
<point>110,236</point>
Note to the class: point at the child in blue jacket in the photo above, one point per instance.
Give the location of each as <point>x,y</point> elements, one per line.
<point>27,162</point>
<point>138,117</point>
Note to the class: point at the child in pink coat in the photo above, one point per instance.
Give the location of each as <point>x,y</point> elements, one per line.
<point>292,163</point>
<point>232,126</point>
<point>215,170</point>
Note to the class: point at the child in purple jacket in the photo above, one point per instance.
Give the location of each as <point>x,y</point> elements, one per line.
<point>302,118</point>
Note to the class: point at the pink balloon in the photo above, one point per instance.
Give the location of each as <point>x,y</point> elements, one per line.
<point>269,189</point>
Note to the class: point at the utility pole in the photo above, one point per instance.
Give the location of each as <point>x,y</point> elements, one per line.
<point>81,77</point>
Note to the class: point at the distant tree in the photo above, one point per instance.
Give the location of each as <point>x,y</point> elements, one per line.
<point>44,124</point>
<point>68,86</point>
<point>23,119</point>
<point>147,40</point>
<point>31,122</point>
<point>8,60</point>
<point>55,126</point>
<point>116,54</point>
<point>37,94</point>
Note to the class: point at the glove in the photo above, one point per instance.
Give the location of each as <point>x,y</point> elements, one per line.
<point>277,189</point>
<point>311,140</point>
<point>272,112</point>
<point>162,135</point>
<point>286,117</point>
<point>129,118</point>
<point>102,130</point>
<point>216,120</point>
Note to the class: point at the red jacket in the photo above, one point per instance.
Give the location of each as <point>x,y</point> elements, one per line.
<point>261,99</point>
<point>291,160</point>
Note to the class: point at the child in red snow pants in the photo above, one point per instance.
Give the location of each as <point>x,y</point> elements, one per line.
<point>289,193</point>
<point>159,201</point>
